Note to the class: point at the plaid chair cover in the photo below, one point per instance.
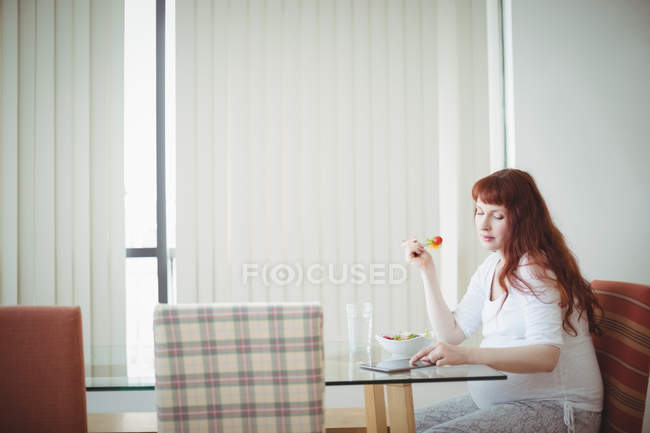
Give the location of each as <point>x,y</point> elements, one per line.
<point>239,368</point>
<point>623,353</point>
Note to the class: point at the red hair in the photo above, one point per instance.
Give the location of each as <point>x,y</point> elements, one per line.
<point>531,232</point>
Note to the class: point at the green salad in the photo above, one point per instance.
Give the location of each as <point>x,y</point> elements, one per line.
<point>407,336</point>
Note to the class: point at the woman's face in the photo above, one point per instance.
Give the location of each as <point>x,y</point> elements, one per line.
<point>491,225</point>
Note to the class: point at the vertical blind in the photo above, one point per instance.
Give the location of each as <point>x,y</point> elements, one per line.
<point>308,134</point>
<point>61,178</point>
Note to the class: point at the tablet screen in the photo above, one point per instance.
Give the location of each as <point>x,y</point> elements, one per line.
<point>393,365</point>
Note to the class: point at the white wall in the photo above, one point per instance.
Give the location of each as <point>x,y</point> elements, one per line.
<point>582,125</point>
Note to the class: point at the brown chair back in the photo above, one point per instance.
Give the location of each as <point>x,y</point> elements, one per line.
<point>42,385</point>
<point>623,353</point>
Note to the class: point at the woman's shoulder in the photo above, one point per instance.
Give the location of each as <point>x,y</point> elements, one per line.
<point>538,278</point>
<point>534,268</point>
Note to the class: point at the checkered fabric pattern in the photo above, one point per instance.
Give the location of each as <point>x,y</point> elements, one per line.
<point>239,368</point>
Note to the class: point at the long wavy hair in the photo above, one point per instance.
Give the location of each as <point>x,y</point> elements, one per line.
<point>531,231</point>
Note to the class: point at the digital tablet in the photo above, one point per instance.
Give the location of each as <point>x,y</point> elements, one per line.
<point>393,365</point>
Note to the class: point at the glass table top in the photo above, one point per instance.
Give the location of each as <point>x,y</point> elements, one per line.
<point>342,367</point>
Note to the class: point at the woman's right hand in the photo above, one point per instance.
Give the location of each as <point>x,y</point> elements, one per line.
<point>416,255</point>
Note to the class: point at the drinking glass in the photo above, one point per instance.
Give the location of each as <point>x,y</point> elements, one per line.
<point>359,326</point>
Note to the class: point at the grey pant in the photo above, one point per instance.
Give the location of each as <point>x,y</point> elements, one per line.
<point>460,414</point>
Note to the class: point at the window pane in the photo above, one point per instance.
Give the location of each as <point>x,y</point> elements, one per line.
<point>170,120</point>
<point>140,122</point>
<point>141,298</point>
<point>170,144</point>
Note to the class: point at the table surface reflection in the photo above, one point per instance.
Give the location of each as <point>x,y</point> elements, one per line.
<point>341,368</point>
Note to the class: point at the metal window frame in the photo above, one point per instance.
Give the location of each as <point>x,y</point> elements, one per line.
<point>160,250</point>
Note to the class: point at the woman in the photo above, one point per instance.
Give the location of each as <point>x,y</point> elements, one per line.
<point>537,314</point>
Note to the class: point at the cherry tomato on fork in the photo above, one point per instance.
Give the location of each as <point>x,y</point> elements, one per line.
<point>434,242</point>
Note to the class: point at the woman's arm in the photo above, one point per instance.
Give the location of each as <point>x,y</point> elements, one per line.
<point>537,358</point>
<point>441,318</point>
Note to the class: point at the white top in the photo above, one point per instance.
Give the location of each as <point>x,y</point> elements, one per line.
<point>525,320</point>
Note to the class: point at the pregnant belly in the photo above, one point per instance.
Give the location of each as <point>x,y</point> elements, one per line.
<point>516,388</point>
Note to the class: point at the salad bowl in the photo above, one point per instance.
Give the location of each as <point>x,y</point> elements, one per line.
<point>403,345</point>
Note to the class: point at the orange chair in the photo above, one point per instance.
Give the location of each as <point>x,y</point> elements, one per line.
<point>42,386</point>
<point>623,353</point>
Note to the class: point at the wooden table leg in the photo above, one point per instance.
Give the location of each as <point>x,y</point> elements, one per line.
<point>375,409</point>
<point>400,408</point>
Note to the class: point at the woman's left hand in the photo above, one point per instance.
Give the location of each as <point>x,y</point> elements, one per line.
<point>442,354</point>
